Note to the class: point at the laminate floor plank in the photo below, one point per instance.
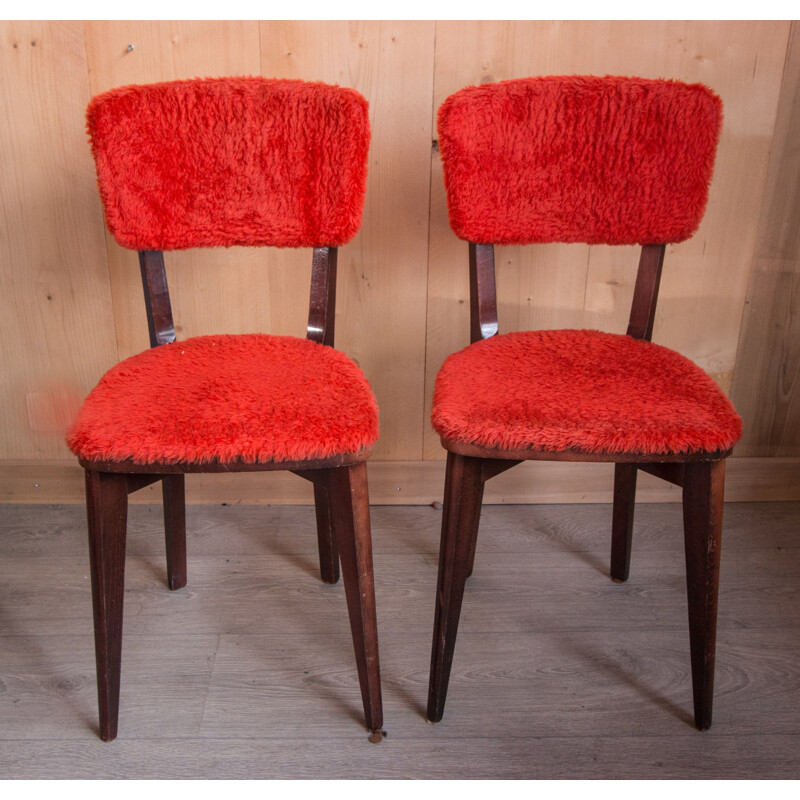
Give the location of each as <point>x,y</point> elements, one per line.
<point>708,755</point>
<point>298,757</point>
<point>60,530</point>
<point>616,685</point>
<point>536,592</point>
<point>49,689</point>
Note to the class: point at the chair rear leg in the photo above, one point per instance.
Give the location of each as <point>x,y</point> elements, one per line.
<point>173,491</point>
<point>349,497</point>
<point>462,508</point>
<point>622,520</point>
<point>703,493</point>
<point>107,511</point>
<point>328,552</point>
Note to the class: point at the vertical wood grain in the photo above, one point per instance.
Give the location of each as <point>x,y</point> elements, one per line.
<point>56,328</point>
<point>383,271</point>
<point>766,384</point>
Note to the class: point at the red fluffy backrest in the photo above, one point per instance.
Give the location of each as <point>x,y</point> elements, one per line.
<point>578,159</point>
<point>231,161</point>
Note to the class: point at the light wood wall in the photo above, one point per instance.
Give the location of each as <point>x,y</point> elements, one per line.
<point>71,297</point>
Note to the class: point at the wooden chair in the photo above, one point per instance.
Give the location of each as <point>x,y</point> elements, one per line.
<point>601,161</point>
<point>210,163</point>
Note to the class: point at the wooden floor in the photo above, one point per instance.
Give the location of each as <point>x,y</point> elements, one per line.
<point>249,672</point>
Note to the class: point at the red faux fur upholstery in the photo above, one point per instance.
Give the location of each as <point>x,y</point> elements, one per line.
<point>258,397</point>
<point>580,389</point>
<point>578,159</point>
<point>231,161</point>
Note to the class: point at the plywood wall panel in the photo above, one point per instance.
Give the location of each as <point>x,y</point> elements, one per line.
<point>383,271</point>
<point>56,327</point>
<point>162,51</point>
<point>766,386</point>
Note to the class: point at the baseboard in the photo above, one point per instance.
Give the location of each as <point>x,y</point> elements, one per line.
<point>411,482</point>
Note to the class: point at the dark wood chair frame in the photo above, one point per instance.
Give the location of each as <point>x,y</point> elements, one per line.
<point>701,476</point>
<point>340,494</point>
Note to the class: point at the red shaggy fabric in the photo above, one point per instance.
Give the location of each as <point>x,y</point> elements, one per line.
<point>258,397</point>
<point>231,161</point>
<point>578,159</point>
<point>586,390</point>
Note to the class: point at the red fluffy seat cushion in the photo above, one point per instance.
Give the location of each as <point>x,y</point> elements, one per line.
<point>581,390</point>
<point>219,398</point>
<point>578,159</point>
<point>231,161</point>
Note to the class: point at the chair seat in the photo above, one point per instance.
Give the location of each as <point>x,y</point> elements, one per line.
<point>252,397</point>
<point>581,390</point>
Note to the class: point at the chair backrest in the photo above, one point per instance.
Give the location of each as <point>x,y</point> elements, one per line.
<point>231,161</point>
<point>578,159</point>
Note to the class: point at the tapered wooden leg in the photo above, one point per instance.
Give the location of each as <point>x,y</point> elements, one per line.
<point>622,520</point>
<point>328,552</point>
<point>349,497</point>
<point>462,506</point>
<point>107,512</point>
<point>703,492</point>
<point>473,546</point>
<point>173,491</point>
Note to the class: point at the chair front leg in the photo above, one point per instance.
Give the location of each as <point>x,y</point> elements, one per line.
<point>473,546</point>
<point>460,515</point>
<point>349,498</point>
<point>703,493</point>
<point>107,512</point>
<point>328,552</point>
<point>622,520</point>
<point>173,492</point>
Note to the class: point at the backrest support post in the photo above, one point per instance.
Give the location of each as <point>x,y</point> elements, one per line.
<point>322,303</point>
<point>156,297</point>
<point>482,292</point>
<point>645,293</point>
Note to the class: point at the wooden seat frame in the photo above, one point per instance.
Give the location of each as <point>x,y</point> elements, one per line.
<point>701,476</point>
<point>340,495</point>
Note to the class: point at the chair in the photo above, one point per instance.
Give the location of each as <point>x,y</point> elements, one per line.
<point>216,163</point>
<point>602,161</point>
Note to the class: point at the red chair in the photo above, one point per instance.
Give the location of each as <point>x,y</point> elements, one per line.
<point>216,163</point>
<point>601,161</point>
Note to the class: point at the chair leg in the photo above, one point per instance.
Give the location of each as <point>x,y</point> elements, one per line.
<point>173,491</point>
<point>349,497</point>
<point>107,512</point>
<point>328,552</point>
<point>703,492</point>
<point>622,520</point>
<point>473,546</point>
<point>462,507</point>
